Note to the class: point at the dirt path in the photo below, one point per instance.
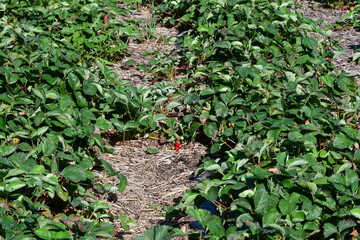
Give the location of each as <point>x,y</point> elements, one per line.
<point>155,181</point>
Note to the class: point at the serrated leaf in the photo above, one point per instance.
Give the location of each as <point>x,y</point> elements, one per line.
<point>211,129</point>
<point>261,200</point>
<point>342,142</point>
<point>270,216</point>
<point>329,229</point>
<point>74,173</point>
<point>286,207</point>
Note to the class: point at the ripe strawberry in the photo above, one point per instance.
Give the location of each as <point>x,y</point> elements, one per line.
<point>177,144</point>
<point>177,149</point>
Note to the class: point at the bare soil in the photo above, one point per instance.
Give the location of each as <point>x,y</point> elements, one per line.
<point>157,181</point>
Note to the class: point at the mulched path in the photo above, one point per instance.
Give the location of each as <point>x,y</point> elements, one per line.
<point>157,181</point>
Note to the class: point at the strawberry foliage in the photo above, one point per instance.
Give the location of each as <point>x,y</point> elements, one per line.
<point>265,94</point>
<point>57,97</point>
<point>259,87</point>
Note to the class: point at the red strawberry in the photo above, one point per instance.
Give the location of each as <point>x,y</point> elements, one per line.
<point>177,144</point>
<point>177,149</point>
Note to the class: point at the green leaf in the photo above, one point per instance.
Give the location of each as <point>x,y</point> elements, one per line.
<point>286,207</point>
<point>212,222</point>
<point>152,150</point>
<point>158,233</point>
<point>295,136</point>
<point>281,158</point>
<point>298,216</point>
<point>130,62</point>
<point>38,169</point>
<point>173,104</point>
<point>74,81</point>
<point>7,150</point>
<point>357,155</point>
<point>39,132</point>
<point>224,44</point>
<point>98,205</point>
<point>310,186</point>
<point>312,226</point>
<point>14,185</point>
<point>108,168</point>
<point>15,172</point>
<point>123,182</point>
<point>270,217</point>
<point>355,212</point>
<point>261,200</point>
<point>329,229</point>
<point>125,223</point>
<point>63,195</point>
<point>297,163</point>
<point>309,42</point>
<point>352,133</point>
<point>89,89</point>
<point>342,142</point>
<point>346,84</point>
<point>44,234</point>
<point>74,173</point>
<point>261,173</point>
<point>211,129</point>
<point>62,235</point>
<point>50,80</point>
<point>40,93</point>
<point>48,147</point>
<point>328,80</point>
<point>346,224</point>
<point>81,100</point>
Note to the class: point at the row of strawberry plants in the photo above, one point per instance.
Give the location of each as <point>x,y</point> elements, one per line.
<point>262,89</point>
<point>57,96</point>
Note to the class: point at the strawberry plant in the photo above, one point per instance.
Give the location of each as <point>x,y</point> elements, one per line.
<point>258,87</point>
<point>55,104</point>
<point>93,29</point>
<point>263,92</point>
